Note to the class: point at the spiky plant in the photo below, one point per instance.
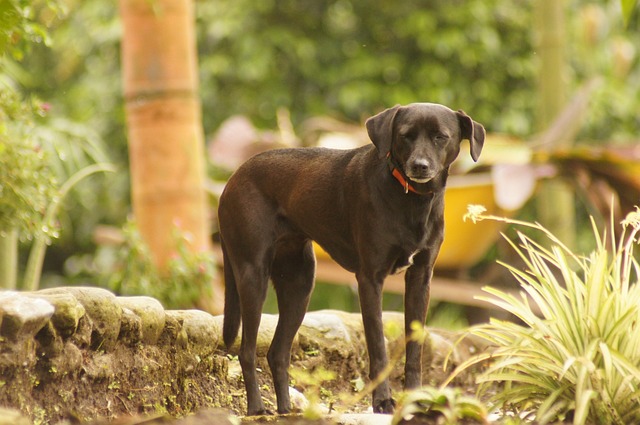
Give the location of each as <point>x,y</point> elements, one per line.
<point>576,356</point>
<point>441,405</point>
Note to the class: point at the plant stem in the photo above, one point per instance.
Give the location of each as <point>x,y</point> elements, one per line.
<point>9,259</point>
<point>33,271</point>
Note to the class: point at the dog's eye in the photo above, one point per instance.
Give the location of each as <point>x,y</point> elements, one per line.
<point>406,137</point>
<point>440,138</point>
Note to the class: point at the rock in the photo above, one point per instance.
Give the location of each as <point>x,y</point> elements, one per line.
<point>362,419</point>
<point>442,348</point>
<point>329,325</point>
<point>67,314</point>
<point>12,417</point>
<point>70,361</point>
<point>298,401</point>
<point>103,310</point>
<point>207,416</point>
<point>452,348</point>
<point>50,344</point>
<point>326,329</point>
<point>22,316</point>
<point>151,313</point>
<point>234,371</point>
<point>393,323</point>
<point>173,333</point>
<point>268,324</point>
<point>130,327</point>
<point>100,367</point>
<point>219,320</point>
<point>201,329</point>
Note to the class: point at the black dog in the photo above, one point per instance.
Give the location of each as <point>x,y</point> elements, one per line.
<point>375,210</point>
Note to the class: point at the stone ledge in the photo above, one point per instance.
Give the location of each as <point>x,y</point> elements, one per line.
<point>84,352</point>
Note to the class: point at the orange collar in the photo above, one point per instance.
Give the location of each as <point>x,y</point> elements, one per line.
<point>399,175</point>
<point>404,182</point>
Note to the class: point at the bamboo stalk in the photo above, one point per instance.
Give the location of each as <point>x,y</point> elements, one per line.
<point>166,140</point>
<point>9,259</point>
<point>555,202</point>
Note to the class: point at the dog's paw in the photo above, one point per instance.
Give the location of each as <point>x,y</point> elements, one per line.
<point>384,406</point>
<point>260,412</point>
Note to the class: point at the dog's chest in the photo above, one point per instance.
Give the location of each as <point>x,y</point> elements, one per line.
<point>413,231</point>
<point>407,245</point>
<point>403,262</point>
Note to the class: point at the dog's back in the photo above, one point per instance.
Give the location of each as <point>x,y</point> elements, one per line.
<point>270,197</point>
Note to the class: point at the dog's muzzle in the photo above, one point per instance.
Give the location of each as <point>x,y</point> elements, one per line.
<point>420,171</point>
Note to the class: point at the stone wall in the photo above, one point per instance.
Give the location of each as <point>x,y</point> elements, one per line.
<point>82,353</point>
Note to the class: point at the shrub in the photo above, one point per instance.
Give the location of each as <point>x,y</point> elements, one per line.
<point>441,405</point>
<point>185,282</point>
<point>576,355</point>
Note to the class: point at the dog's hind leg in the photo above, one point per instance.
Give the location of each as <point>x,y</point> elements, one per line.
<point>252,291</point>
<point>292,273</point>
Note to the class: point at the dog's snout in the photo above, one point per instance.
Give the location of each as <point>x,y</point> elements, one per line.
<point>420,166</point>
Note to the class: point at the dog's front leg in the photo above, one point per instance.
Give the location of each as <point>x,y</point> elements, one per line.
<point>370,293</point>
<point>416,302</point>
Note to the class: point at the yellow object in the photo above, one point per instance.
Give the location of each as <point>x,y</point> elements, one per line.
<point>465,242</point>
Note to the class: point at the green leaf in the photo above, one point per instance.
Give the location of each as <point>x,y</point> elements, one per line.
<point>627,9</point>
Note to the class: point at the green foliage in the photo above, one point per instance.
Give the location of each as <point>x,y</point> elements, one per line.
<point>27,185</point>
<point>577,353</point>
<point>132,271</point>
<point>33,270</point>
<point>312,381</point>
<point>355,57</point>
<point>20,28</point>
<point>30,199</point>
<point>441,405</point>
<point>600,47</point>
<point>352,58</point>
<point>347,58</point>
<point>77,75</point>
<point>627,9</point>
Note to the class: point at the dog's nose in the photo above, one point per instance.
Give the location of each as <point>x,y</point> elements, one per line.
<point>420,166</point>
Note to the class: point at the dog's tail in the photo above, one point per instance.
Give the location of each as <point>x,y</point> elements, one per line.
<point>232,318</point>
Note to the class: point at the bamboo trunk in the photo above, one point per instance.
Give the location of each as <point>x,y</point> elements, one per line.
<point>166,142</point>
<point>9,259</point>
<point>556,202</point>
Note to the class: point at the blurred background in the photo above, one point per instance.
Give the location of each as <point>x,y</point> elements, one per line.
<point>555,83</point>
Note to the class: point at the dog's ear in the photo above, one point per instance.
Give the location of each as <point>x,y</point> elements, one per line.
<point>472,131</point>
<point>380,129</point>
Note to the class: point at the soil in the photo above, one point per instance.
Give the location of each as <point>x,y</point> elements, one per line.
<point>148,382</point>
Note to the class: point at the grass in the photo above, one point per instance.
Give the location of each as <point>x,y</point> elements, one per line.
<point>577,359</point>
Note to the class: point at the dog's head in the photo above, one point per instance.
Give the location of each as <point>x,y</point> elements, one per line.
<point>424,138</point>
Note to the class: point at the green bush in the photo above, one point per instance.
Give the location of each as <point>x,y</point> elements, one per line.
<point>441,405</point>
<point>131,271</point>
<point>576,354</point>
<point>27,184</point>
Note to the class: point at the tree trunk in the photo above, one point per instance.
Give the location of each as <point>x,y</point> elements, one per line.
<point>166,141</point>
<point>556,202</point>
